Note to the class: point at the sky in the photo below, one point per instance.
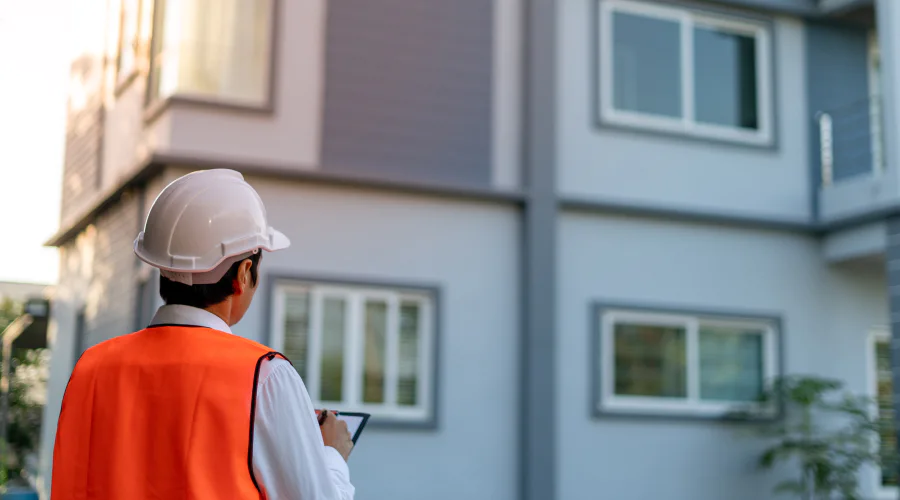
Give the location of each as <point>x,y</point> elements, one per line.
<point>34,67</point>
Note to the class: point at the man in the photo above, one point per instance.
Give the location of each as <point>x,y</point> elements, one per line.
<point>184,409</point>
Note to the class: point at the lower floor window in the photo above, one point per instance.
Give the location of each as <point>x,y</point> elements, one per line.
<point>882,390</point>
<point>682,363</point>
<point>360,348</point>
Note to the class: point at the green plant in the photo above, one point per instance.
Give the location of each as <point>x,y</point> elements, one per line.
<point>27,390</point>
<point>829,433</point>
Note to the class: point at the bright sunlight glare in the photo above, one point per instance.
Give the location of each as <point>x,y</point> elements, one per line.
<point>33,41</point>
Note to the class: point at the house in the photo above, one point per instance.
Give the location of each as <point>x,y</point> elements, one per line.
<point>547,243</point>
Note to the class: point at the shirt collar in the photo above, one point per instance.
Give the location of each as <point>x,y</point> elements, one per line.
<point>188,316</point>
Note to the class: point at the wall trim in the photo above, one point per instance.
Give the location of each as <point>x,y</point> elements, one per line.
<point>538,378</point>
<point>155,164</point>
<point>277,275</point>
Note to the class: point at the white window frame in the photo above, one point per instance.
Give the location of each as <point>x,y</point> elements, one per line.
<point>687,20</point>
<point>692,405</point>
<point>877,335</point>
<point>355,297</point>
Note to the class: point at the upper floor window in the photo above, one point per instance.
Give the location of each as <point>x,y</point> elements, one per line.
<point>676,70</point>
<point>217,50</point>
<point>360,348</point>
<point>129,38</point>
<point>672,363</point>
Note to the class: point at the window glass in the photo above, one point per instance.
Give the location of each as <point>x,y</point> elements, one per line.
<point>650,361</point>
<point>213,49</point>
<point>375,350</point>
<point>333,335</point>
<point>408,379</point>
<point>887,434</point>
<point>731,364</point>
<point>647,65</point>
<point>296,330</point>
<point>725,78</point>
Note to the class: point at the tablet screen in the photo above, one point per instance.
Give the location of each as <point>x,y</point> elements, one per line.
<point>355,423</point>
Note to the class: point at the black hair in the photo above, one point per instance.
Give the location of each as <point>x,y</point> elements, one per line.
<point>203,296</point>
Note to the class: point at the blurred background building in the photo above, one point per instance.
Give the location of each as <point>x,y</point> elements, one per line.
<point>546,243</point>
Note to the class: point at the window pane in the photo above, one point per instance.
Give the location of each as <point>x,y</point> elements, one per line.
<point>374,344</point>
<point>333,334</point>
<point>650,361</point>
<point>128,38</point>
<point>731,364</point>
<point>725,78</point>
<point>887,434</point>
<point>646,65</point>
<point>407,383</point>
<point>296,330</point>
<point>215,48</point>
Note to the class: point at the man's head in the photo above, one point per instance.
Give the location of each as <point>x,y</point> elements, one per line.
<point>205,232</point>
<point>233,292</point>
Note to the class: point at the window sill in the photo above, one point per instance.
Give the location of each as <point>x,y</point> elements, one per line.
<point>686,411</point>
<point>650,126</point>
<point>386,422</point>
<point>157,107</point>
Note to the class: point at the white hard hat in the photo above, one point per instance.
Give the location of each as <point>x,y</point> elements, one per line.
<point>202,223</point>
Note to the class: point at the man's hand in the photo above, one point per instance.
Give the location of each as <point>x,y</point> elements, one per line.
<point>336,435</point>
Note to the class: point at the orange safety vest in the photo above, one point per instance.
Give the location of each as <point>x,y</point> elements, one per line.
<point>163,413</point>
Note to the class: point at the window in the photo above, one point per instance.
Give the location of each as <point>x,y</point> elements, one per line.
<point>684,364</point>
<point>212,50</point>
<point>676,70</point>
<point>129,26</point>
<point>360,348</point>
<point>881,388</point>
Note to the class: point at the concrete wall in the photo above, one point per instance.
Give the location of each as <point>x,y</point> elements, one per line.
<point>826,313</point>
<point>646,169</point>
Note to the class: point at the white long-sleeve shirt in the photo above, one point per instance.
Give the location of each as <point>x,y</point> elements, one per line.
<point>290,459</point>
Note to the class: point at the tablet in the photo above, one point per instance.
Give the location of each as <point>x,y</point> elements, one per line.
<point>355,422</point>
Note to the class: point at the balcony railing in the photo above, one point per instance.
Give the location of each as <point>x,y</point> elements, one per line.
<point>851,140</point>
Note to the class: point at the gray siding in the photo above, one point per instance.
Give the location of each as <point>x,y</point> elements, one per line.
<point>892,257</point>
<point>97,277</point>
<point>658,263</point>
<point>408,90</point>
<point>113,284</point>
<point>84,131</point>
<point>838,83</point>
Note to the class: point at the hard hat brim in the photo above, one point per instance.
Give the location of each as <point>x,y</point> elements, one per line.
<point>276,241</point>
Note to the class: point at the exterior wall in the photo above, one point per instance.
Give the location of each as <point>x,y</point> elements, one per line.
<point>435,121</point>
<point>610,165</point>
<point>375,236</point>
<point>97,276</point>
<point>290,135</point>
<point>428,117</point>
<point>826,313</point>
<point>83,159</point>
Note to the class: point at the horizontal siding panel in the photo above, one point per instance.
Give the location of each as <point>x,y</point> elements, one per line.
<point>408,90</point>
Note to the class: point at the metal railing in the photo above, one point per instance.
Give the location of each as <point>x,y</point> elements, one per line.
<point>851,140</point>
